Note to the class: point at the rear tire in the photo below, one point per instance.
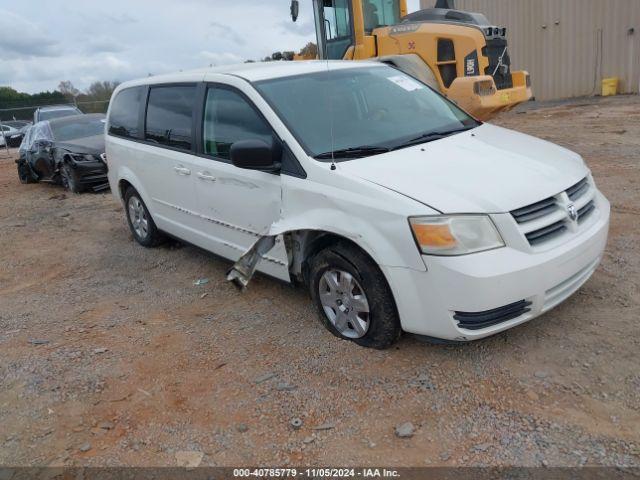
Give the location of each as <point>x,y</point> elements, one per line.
<point>24,174</point>
<point>353,298</point>
<point>142,226</point>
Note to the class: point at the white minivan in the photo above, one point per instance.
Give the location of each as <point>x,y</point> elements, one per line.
<point>398,210</point>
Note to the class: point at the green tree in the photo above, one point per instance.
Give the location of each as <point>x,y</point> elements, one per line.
<point>96,98</point>
<point>68,90</point>
<point>309,51</point>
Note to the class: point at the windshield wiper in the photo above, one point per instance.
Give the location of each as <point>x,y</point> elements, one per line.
<point>355,152</point>
<point>431,136</point>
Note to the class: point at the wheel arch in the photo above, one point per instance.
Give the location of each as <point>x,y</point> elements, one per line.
<point>303,245</point>
<point>125,179</point>
<point>123,186</point>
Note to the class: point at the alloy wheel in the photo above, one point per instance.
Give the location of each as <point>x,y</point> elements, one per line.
<point>344,303</point>
<point>138,217</point>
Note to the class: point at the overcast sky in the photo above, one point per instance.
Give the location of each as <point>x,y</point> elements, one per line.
<point>45,41</point>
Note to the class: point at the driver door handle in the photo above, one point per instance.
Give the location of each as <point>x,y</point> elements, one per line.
<point>182,171</point>
<point>206,176</point>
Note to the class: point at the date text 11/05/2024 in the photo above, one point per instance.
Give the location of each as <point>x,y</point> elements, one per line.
<point>316,473</point>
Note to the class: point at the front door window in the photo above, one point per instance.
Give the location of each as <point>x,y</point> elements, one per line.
<point>228,119</point>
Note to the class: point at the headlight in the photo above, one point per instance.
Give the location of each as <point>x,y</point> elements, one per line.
<point>450,235</point>
<point>84,158</point>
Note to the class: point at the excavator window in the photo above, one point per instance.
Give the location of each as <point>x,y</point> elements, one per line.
<point>337,27</point>
<point>380,13</point>
<point>337,19</point>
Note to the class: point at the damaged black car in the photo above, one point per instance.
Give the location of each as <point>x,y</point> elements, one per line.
<point>67,151</point>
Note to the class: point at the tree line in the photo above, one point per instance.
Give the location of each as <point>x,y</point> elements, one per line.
<point>21,105</point>
<point>95,99</point>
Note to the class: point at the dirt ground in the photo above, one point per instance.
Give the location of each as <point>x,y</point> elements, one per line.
<point>110,355</point>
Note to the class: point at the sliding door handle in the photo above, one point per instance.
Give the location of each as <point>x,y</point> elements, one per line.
<point>182,171</point>
<point>206,177</point>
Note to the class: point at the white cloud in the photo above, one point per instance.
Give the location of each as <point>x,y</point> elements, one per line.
<point>102,44</point>
<point>221,58</point>
<point>20,38</point>
<point>43,42</point>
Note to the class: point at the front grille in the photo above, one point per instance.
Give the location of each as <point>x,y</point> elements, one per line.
<point>547,233</point>
<point>585,211</point>
<point>489,318</point>
<point>537,210</point>
<point>500,71</point>
<point>548,219</point>
<point>578,189</point>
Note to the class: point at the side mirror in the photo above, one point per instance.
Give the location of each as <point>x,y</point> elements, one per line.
<point>295,9</point>
<point>255,155</point>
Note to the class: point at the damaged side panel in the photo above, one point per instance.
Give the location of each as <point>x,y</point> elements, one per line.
<point>308,210</point>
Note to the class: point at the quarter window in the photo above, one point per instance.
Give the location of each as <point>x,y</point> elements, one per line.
<point>229,118</point>
<point>169,116</point>
<point>123,117</point>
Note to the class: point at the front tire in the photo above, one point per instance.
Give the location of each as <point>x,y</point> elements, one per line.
<point>353,298</point>
<point>69,179</point>
<point>142,226</point>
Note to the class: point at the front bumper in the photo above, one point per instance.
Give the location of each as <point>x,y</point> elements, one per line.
<point>90,173</point>
<point>428,301</point>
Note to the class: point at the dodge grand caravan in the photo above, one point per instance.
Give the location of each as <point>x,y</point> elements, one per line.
<point>395,208</point>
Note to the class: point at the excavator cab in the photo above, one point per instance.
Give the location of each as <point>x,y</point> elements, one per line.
<point>458,53</point>
<point>344,27</point>
<point>334,28</point>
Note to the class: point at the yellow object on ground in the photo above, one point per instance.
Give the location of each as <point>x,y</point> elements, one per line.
<point>610,86</point>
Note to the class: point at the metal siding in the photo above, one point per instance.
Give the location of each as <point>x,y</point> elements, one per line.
<point>564,58</point>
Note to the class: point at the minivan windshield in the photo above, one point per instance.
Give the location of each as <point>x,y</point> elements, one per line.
<point>360,112</point>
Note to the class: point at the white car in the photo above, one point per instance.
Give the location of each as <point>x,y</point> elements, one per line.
<point>8,134</point>
<point>398,210</point>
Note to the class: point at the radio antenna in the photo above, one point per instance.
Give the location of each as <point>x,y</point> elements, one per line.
<point>328,91</point>
<point>330,99</point>
<point>333,143</point>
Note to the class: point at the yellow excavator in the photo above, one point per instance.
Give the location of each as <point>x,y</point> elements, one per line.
<point>458,53</point>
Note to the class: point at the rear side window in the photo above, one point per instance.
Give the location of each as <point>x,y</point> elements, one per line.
<point>123,118</point>
<point>169,116</point>
<point>41,131</point>
<point>229,118</point>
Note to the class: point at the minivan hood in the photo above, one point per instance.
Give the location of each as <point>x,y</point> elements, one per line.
<point>485,170</point>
